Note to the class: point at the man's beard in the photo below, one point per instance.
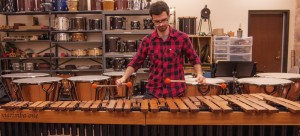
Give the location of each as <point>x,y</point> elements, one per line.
<point>162,28</point>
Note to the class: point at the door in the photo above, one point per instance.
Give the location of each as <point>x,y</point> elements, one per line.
<point>270,39</point>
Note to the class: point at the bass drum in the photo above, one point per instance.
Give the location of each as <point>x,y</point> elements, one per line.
<point>187,24</point>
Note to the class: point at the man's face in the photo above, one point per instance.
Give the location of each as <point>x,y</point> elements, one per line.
<point>161,21</point>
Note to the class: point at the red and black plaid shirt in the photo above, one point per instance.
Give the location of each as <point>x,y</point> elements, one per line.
<point>166,61</point>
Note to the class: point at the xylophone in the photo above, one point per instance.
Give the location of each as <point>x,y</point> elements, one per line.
<point>245,114</point>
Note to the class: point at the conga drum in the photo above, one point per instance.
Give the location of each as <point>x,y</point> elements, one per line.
<point>81,87</point>
<point>294,93</point>
<point>271,86</point>
<point>211,87</point>
<point>37,89</point>
<point>123,91</point>
<point>187,24</point>
<point>8,78</point>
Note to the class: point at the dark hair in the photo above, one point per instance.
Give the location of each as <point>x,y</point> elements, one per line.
<point>158,7</point>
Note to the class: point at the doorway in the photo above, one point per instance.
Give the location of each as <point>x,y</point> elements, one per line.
<point>269,30</point>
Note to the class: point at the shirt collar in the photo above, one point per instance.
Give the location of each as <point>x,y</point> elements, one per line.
<point>155,34</point>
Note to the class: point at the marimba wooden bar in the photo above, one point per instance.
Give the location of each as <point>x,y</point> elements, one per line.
<point>254,114</point>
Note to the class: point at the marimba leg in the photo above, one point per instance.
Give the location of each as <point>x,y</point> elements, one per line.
<point>66,129</point>
<point>73,130</point>
<point>97,130</point>
<point>81,130</point>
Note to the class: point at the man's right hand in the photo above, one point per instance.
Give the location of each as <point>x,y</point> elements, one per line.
<point>120,81</point>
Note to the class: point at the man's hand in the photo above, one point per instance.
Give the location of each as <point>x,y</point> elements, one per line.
<point>200,79</point>
<point>120,81</point>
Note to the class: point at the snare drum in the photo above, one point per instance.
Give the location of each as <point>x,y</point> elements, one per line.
<point>62,37</point>
<point>271,86</point>
<point>81,87</point>
<point>148,24</point>
<point>78,37</point>
<point>73,5</point>
<point>294,93</point>
<point>61,23</point>
<point>135,25</point>
<point>94,51</point>
<point>211,87</point>
<point>130,46</point>
<point>78,23</point>
<point>37,89</point>
<point>123,91</point>
<point>60,5</point>
<point>117,22</point>
<point>117,63</point>
<point>187,24</point>
<point>47,5</point>
<point>95,24</point>
<point>8,78</point>
<point>79,52</point>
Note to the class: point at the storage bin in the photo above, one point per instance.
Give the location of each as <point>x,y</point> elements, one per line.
<point>240,49</point>
<point>242,57</point>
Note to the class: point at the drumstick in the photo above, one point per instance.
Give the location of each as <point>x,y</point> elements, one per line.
<point>168,81</point>
<point>128,84</point>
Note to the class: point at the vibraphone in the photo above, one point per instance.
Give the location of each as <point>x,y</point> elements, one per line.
<point>254,114</point>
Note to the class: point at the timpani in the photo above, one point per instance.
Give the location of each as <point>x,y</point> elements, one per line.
<point>295,90</point>
<point>212,86</point>
<point>81,87</point>
<point>37,89</point>
<point>8,78</point>
<point>122,91</point>
<point>271,86</point>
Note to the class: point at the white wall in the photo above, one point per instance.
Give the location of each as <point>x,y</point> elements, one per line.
<point>229,14</point>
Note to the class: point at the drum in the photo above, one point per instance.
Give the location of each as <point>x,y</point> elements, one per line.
<point>78,37</point>
<point>135,25</point>
<point>83,5</point>
<point>117,63</point>
<point>60,5</point>
<point>130,46</point>
<point>8,78</point>
<point>135,5</point>
<point>187,24</point>
<point>16,66</point>
<point>61,23</point>
<point>121,5</point>
<point>21,5</point>
<point>113,44</point>
<point>73,5</point>
<point>47,5</point>
<point>98,5</point>
<point>294,93</point>
<point>211,87</point>
<point>95,24</point>
<point>81,87</point>
<point>94,51</point>
<point>78,52</point>
<point>117,22</point>
<point>29,5</point>
<point>78,23</point>
<point>123,91</point>
<point>127,61</point>
<point>62,37</point>
<point>28,66</point>
<point>148,24</point>
<point>37,89</point>
<point>271,86</point>
<point>108,5</point>
<point>143,85</point>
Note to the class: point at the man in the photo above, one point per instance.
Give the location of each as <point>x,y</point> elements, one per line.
<point>165,48</point>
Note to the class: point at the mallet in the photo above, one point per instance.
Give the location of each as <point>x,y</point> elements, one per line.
<point>168,81</point>
<point>128,84</point>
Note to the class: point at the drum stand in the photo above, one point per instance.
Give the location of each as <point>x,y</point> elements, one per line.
<point>200,25</point>
<point>235,86</point>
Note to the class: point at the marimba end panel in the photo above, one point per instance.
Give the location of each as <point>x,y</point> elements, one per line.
<point>73,117</point>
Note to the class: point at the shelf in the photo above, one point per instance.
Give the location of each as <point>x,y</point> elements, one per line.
<point>25,41</point>
<point>29,71</point>
<point>198,36</point>
<point>82,42</point>
<point>37,30</point>
<point>77,12</point>
<point>26,13</point>
<point>141,70</point>
<point>18,58</point>
<point>79,70</point>
<point>117,54</point>
<point>148,31</point>
<point>77,31</point>
<point>80,57</point>
<point>126,12</point>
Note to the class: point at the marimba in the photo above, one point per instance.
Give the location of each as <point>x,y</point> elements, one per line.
<point>246,114</point>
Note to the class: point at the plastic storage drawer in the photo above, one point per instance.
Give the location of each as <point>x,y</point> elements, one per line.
<point>220,49</point>
<point>216,38</point>
<point>240,49</point>
<point>218,57</point>
<point>241,41</point>
<point>221,42</point>
<point>242,57</point>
